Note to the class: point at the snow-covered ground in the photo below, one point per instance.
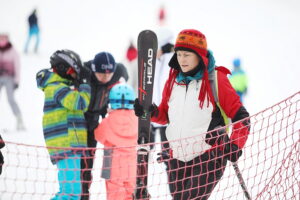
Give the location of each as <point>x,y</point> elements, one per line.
<point>263,33</point>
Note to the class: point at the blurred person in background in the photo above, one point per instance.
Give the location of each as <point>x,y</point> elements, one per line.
<point>165,52</point>
<point>162,15</point>
<point>238,79</point>
<point>67,96</point>
<point>33,31</point>
<point>105,73</point>
<point>10,75</point>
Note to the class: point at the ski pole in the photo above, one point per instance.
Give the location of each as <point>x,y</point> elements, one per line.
<point>238,172</point>
<point>241,180</point>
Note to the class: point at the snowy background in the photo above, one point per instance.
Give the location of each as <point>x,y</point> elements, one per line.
<point>263,33</point>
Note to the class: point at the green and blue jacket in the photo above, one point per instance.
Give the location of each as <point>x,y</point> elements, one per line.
<point>64,125</point>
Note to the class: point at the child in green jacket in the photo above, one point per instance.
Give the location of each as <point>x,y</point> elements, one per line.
<point>63,121</point>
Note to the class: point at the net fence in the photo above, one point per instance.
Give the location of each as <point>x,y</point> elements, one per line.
<point>269,166</point>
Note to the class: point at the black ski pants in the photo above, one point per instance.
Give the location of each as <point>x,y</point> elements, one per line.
<point>87,162</point>
<point>197,178</point>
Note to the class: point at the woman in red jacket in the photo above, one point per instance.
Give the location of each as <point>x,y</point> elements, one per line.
<point>192,109</point>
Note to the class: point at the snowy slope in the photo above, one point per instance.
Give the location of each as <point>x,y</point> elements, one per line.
<point>263,33</point>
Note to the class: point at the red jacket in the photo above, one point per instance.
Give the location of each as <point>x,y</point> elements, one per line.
<point>228,100</point>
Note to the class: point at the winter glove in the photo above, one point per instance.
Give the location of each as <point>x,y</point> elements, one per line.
<point>167,48</point>
<point>139,109</point>
<point>153,110</point>
<point>163,156</point>
<point>232,152</point>
<point>215,137</point>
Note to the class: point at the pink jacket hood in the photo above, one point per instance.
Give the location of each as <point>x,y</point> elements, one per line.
<point>120,128</point>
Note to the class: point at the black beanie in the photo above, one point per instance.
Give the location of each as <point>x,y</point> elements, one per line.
<point>104,62</point>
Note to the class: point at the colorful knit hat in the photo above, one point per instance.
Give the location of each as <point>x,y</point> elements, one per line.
<point>192,40</point>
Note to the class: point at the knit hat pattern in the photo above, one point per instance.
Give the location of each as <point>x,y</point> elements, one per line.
<point>192,40</point>
<point>104,62</point>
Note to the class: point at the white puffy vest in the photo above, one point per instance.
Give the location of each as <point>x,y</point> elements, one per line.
<point>188,123</point>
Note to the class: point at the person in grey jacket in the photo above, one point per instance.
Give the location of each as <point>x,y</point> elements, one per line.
<point>10,75</point>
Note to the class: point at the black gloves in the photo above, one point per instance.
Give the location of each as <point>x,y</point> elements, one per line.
<point>215,137</point>
<point>139,109</point>
<point>231,151</point>
<point>167,48</point>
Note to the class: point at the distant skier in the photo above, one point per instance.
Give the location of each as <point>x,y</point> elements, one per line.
<point>67,96</point>
<point>131,53</point>
<point>10,75</point>
<point>34,31</point>
<point>197,159</point>
<point>238,79</point>
<point>118,133</point>
<point>165,52</point>
<point>2,144</point>
<point>162,15</point>
<point>105,73</point>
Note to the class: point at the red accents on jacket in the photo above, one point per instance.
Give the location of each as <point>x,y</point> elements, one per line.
<point>228,99</point>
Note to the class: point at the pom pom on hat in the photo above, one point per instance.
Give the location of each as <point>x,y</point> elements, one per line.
<point>104,62</point>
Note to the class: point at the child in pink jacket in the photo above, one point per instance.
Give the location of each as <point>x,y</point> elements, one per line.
<point>118,133</point>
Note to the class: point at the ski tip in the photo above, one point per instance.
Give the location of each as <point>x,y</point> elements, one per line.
<point>147,32</point>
